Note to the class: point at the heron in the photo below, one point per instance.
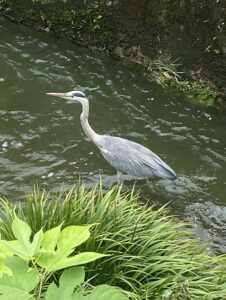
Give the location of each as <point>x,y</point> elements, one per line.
<point>124,155</point>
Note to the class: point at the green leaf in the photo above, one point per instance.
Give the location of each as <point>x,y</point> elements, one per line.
<point>65,262</point>
<point>21,231</point>
<point>22,282</point>
<point>3,268</point>
<point>22,246</point>
<point>71,237</point>
<point>72,278</point>
<point>54,255</point>
<point>34,247</point>
<point>69,279</point>
<point>51,238</point>
<point>102,292</point>
<point>14,247</point>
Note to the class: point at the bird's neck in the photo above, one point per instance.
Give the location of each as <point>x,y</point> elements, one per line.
<point>85,123</point>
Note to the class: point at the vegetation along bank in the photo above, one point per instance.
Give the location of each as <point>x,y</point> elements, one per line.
<point>82,244</point>
<point>179,42</point>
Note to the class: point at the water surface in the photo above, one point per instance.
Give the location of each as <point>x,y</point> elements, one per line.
<point>41,140</point>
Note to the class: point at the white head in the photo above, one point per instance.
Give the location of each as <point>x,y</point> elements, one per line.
<point>76,96</point>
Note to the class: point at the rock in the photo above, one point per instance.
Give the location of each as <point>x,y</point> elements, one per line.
<point>118,51</point>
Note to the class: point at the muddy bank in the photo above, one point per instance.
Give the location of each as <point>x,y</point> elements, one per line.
<point>153,33</point>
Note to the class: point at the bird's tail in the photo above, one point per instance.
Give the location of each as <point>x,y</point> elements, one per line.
<point>165,171</point>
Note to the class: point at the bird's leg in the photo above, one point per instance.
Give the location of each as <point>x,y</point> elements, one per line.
<point>149,183</point>
<point>119,174</point>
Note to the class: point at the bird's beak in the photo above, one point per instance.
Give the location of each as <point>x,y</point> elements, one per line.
<point>61,95</point>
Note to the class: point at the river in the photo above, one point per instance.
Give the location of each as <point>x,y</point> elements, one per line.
<point>42,142</point>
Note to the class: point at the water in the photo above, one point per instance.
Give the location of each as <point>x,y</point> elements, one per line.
<point>41,140</point>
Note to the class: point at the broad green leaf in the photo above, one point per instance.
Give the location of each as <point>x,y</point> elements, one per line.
<point>20,285</point>
<point>72,278</point>
<point>71,237</point>
<point>75,274</point>
<point>65,262</point>
<point>102,292</point>
<point>69,279</point>
<point>36,243</point>
<point>51,238</point>
<point>3,268</point>
<point>4,252</point>
<point>22,246</point>
<point>14,247</point>
<point>54,256</point>
<point>21,231</point>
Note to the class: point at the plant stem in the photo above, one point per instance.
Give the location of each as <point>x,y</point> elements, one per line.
<point>42,276</point>
<point>40,287</point>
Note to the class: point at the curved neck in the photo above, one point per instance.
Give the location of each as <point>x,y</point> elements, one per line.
<point>85,123</point>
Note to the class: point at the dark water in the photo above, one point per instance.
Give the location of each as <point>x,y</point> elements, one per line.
<point>41,140</point>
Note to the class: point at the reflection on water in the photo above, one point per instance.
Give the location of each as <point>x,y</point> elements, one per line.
<point>41,140</point>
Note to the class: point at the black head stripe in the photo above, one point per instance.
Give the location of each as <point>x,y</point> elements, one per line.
<point>79,94</point>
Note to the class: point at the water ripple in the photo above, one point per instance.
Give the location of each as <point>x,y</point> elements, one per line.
<point>41,139</point>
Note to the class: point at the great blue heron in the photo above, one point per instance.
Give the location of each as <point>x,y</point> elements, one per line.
<point>124,155</point>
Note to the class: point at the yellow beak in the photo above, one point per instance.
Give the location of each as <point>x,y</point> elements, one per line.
<point>61,95</point>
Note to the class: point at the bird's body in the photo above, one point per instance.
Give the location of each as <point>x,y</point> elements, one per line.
<point>124,155</point>
<point>133,159</point>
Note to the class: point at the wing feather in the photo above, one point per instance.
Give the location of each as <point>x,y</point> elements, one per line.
<point>134,159</point>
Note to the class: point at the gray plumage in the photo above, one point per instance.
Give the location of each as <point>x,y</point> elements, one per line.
<point>124,155</point>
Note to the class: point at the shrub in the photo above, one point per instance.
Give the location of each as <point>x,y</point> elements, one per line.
<point>151,254</point>
<point>28,266</point>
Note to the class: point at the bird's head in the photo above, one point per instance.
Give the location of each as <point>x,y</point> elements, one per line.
<point>76,96</point>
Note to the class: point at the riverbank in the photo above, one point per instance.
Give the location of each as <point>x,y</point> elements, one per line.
<point>177,43</point>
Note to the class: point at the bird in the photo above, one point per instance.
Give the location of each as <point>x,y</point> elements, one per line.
<point>124,155</point>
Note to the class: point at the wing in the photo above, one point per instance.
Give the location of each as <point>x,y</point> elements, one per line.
<point>127,162</point>
<point>134,159</point>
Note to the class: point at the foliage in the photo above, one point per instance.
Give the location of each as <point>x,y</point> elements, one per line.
<point>40,258</point>
<point>199,92</point>
<point>21,282</point>
<point>76,21</point>
<point>152,256</point>
<point>89,23</point>
<point>163,70</point>
<point>73,277</point>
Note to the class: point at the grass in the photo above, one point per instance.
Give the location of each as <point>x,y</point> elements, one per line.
<point>152,256</point>
<point>163,70</point>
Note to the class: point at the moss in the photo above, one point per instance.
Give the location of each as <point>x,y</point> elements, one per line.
<point>199,92</point>
<point>73,22</point>
<point>138,34</point>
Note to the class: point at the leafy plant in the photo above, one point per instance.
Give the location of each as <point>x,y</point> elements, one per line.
<point>21,282</point>
<point>72,278</point>
<point>152,256</point>
<point>198,92</point>
<point>164,70</point>
<point>28,265</point>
